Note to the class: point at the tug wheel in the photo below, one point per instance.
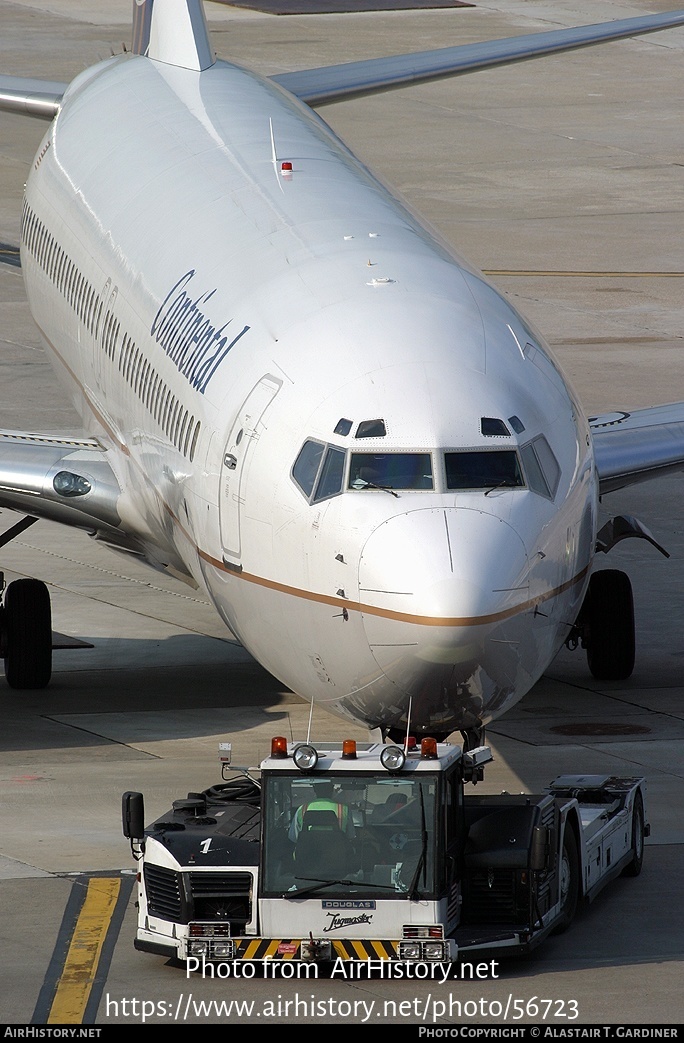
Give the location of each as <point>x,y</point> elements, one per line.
<point>569,880</point>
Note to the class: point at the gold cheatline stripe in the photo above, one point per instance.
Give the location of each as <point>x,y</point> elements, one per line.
<point>587,275</point>
<point>387,613</point>
<point>80,966</point>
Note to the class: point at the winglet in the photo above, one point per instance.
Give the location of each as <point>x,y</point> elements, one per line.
<point>172,31</point>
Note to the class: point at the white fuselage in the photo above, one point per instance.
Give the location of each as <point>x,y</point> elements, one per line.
<point>213,312</point>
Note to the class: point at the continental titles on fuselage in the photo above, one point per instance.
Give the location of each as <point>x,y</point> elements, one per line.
<point>194,345</point>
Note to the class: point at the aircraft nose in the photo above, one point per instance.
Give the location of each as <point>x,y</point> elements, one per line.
<point>429,577</point>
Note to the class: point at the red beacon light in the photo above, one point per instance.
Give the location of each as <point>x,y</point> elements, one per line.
<point>278,747</point>
<point>349,750</point>
<point>428,749</point>
<point>411,743</point>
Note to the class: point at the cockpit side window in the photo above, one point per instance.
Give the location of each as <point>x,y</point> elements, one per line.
<point>541,467</point>
<point>306,466</point>
<point>391,471</point>
<point>332,474</point>
<point>319,470</point>
<point>483,469</point>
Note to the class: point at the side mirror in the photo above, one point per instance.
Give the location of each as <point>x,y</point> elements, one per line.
<point>133,815</point>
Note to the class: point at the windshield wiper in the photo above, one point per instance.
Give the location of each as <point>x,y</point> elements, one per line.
<point>319,884</point>
<point>505,483</point>
<point>371,485</point>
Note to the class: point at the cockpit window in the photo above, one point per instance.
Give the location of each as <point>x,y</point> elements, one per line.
<point>371,429</point>
<point>319,470</point>
<point>483,469</point>
<point>541,467</point>
<point>332,474</point>
<point>305,470</point>
<point>391,471</point>
<point>491,425</point>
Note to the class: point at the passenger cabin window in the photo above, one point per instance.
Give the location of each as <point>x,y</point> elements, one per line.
<point>319,471</point>
<point>391,471</point>
<point>483,469</point>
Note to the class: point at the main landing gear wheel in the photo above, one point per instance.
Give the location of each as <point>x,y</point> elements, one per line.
<point>638,834</point>
<point>569,880</point>
<point>27,634</point>
<point>608,617</point>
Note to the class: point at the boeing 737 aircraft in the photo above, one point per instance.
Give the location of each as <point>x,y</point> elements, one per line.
<point>378,474</point>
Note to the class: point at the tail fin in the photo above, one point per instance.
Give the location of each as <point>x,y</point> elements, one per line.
<point>172,31</point>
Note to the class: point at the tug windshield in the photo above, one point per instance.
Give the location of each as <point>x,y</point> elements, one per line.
<point>339,835</point>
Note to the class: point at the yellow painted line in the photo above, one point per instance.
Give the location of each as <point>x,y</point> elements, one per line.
<point>587,275</point>
<point>80,966</point>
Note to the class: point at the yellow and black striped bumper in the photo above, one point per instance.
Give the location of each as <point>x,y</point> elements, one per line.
<point>301,949</point>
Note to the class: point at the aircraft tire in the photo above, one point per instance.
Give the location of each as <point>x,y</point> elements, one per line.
<point>569,880</point>
<point>610,619</point>
<point>28,634</point>
<point>638,833</point>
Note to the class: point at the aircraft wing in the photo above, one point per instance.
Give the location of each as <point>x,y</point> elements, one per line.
<point>336,82</point>
<point>40,98</point>
<point>316,87</point>
<point>635,447</point>
<point>62,479</point>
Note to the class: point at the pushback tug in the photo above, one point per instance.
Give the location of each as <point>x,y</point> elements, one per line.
<point>364,851</point>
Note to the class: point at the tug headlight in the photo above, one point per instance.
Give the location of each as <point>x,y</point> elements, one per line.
<point>393,758</point>
<point>305,757</point>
